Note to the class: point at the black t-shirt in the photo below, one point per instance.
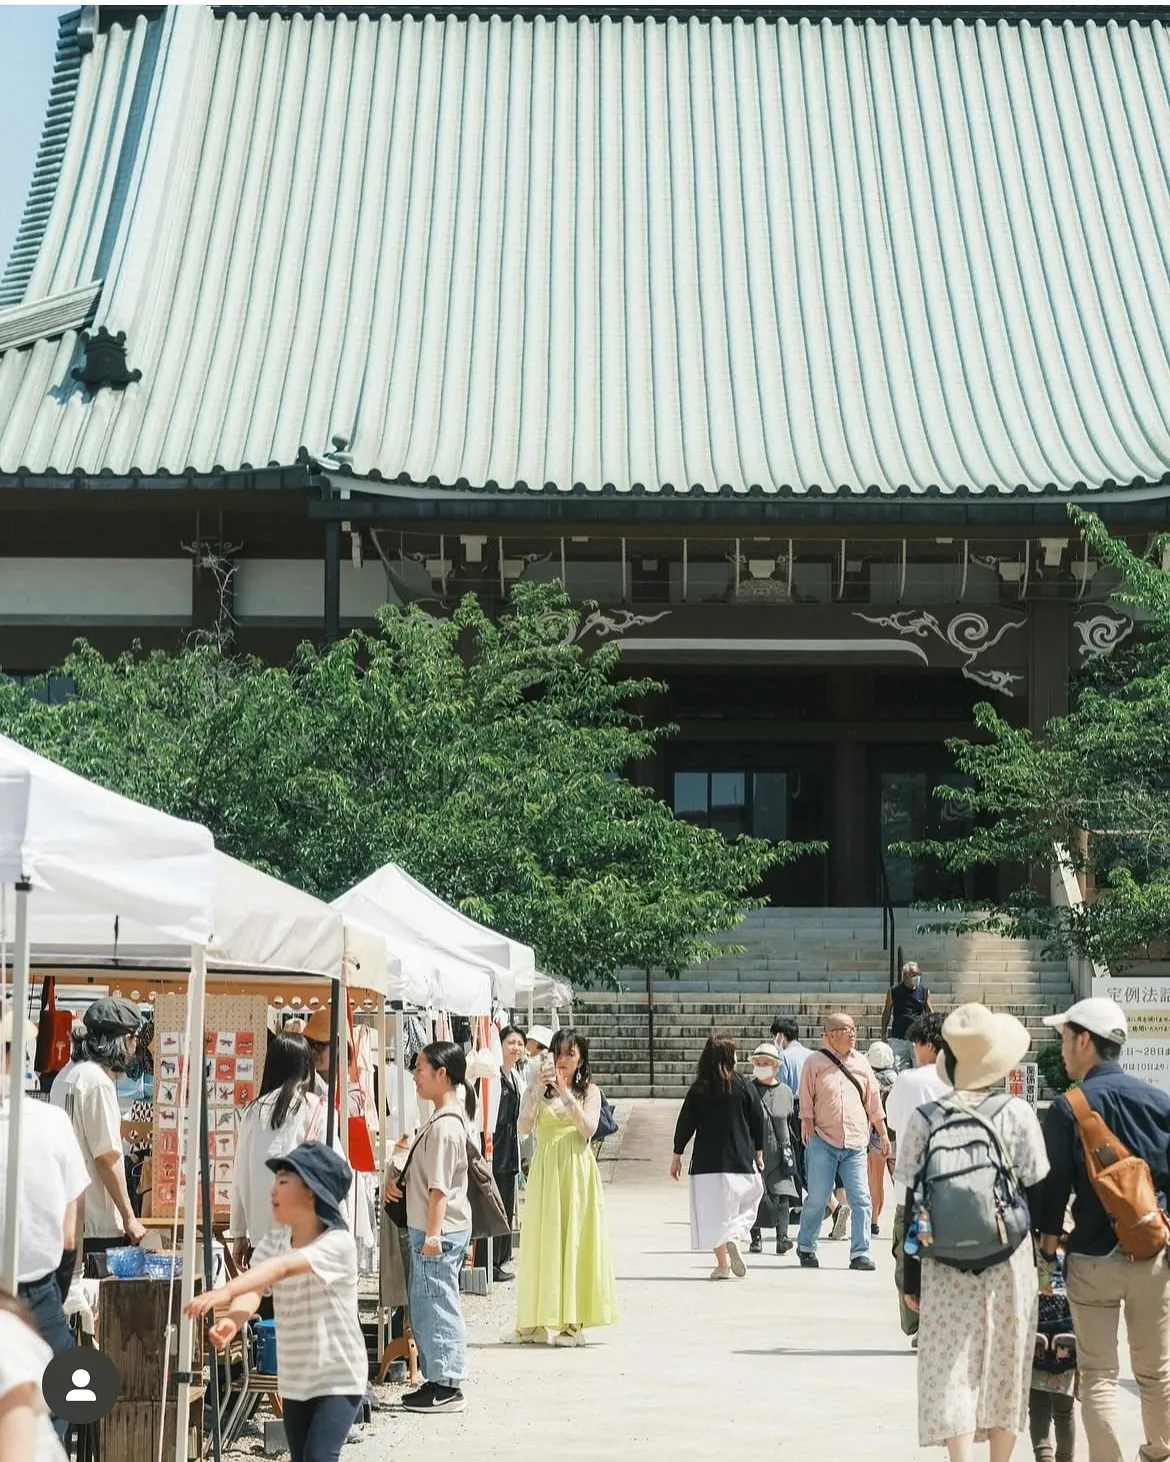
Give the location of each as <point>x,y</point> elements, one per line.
<point>908,1006</point>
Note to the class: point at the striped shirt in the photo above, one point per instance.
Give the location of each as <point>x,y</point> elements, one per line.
<point>320,1349</point>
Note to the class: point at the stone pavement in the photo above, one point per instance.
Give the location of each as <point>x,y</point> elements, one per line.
<point>805,1365</point>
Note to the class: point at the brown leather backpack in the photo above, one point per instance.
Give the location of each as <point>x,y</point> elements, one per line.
<point>1123,1183</point>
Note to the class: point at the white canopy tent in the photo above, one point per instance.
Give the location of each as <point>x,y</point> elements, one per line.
<point>68,844</point>
<point>261,925</point>
<point>434,971</point>
<point>419,912</point>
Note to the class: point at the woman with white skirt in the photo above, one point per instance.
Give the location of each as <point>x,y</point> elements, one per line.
<point>723,1114</point>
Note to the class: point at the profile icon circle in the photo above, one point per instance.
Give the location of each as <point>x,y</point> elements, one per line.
<point>80,1385</point>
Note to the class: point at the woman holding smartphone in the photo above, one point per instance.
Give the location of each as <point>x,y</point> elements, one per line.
<point>566,1279</point>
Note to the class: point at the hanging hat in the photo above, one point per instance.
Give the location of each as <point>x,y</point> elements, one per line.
<point>986,1044</point>
<point>881,1056</point>
<point>483,1064</point>
<point>30,1030</point>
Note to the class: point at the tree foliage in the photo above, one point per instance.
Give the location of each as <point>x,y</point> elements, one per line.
<point>487,758</point>
<point>1096,782</point>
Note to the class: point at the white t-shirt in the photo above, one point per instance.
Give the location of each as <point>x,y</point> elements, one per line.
<point>911,1089</point>
<point>88,1094</point>
<point>23,1358</point>
<point>52,1175</point>
<point>320,1349</point>
<point>258,1141</point>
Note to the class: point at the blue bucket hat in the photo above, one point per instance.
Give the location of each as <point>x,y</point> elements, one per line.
<point>324,1172</point>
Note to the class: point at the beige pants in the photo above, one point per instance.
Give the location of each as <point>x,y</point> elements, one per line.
<point>1097,1290</point>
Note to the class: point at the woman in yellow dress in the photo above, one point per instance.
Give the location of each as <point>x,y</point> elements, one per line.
<point>566,1281</point>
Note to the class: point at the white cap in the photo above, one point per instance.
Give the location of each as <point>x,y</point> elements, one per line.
<point>1102,1016</point>
<point>541,1034</point>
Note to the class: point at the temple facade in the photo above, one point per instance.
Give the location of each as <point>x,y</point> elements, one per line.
<point>782,337</point>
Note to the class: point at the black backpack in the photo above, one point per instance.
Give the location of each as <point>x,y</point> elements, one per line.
<point>969,1188</point>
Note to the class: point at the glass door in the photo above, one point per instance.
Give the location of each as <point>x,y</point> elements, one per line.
<point>910,810</point>
<point>773,803</point>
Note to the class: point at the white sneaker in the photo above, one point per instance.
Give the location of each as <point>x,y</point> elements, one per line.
<point>738,1267</point>
<point>567,1339</point>
<point>538,1336</point>
<point>720,1274</point>
<point>840,1221</point>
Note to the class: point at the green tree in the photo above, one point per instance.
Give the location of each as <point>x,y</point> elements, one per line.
<point>1096,782</point>
<point>486,758</point>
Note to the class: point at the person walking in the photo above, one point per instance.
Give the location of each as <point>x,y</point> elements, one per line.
<point>308,1261</point>
<point>786,1035</point>
<point>906,1002</point>
<point>839,1103</point>
<point>779,1169</point>
<point>912,1089</point>
<point>26,1433</point>
<point>438,1213</point>
<point>723,1114</point>
<point>977,1334</point>
<point>287,1112</point>
<point>566,1282</point>
<point>881,1063</point>
<point>52,1180</point>
<point>86,1090</point>
<point>1102,1280</point>
<point>506,1149</point>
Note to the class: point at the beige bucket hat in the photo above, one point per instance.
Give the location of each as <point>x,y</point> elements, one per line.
<point>986,1044</point>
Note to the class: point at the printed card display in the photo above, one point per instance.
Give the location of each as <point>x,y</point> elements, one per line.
<point>233,1045</point>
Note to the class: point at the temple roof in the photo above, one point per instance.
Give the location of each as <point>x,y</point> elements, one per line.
<point>702,253</point>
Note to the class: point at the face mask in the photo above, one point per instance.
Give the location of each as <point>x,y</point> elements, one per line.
<point>915,981</point>
<point>763,1073</point>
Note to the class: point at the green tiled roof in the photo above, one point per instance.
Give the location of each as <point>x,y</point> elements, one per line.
<point>613,253</point>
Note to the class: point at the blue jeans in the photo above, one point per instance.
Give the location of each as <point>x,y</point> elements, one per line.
<point>316,1429</point>
<point>436,1312</point>
<point>821,1165</point>
<point>43,1299</point>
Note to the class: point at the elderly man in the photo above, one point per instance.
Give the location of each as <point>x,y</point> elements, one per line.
<point>52,1179</point>
<point>839,1102</point>
<point>87,1092</point>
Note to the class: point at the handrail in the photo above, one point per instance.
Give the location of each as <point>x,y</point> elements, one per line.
<point>889,923</point>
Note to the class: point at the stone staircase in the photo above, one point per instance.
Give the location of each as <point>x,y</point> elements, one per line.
<point>804,962</point>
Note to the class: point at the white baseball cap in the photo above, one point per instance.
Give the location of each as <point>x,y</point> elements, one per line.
<point>1102,1016</point>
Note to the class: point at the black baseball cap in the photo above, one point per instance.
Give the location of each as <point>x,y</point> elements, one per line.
<point>111,1015</point>
<point>324,1172</point>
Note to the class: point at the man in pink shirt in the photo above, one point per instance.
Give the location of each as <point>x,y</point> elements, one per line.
<point>839,1102</point>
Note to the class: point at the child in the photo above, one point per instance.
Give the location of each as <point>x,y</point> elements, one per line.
<point>1054,1374</point>
<point>310,1265</point>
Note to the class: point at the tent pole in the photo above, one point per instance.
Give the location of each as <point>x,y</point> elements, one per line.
<point>209,1264</point>
<point>195,1163</point>
<point>334,1027</point>
<point>9,1266</point>
<point>383,1122</point>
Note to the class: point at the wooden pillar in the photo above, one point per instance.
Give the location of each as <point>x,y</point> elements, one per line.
<point>851,833</point>
<point>332,615</point>
<point>1049,648</point>
<point>1049,673</point>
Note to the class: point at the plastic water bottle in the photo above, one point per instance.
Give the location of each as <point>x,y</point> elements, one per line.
<point>910,1245</point>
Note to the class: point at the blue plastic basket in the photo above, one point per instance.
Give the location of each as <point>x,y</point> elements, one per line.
<point>126,1263</point>
<point>266,1347</point>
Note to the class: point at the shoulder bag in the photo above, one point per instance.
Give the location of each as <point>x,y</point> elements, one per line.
<point>1122,1182</point>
